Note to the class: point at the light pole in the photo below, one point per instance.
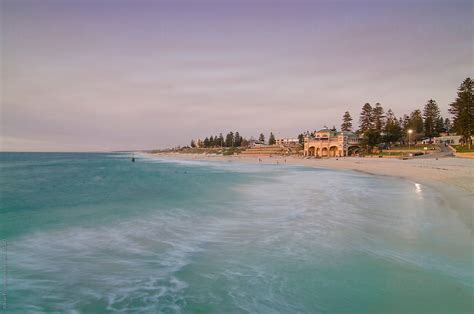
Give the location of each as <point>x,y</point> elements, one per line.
<point>409,137</point>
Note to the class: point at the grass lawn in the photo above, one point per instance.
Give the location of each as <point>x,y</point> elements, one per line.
<point>387,153</point>
<point>463,149</point>
<point>418,147</point>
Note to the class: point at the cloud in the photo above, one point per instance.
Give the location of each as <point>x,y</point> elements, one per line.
<point>152,75</point>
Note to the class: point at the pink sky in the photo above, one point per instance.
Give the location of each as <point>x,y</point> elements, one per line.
<point>112,75</point>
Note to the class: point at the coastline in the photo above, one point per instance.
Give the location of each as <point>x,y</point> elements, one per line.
<point>451,177</point>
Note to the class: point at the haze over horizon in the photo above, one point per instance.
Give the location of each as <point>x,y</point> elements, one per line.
<point>124,75</point>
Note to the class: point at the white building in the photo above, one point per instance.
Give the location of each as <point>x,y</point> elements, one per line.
<point>287,141</point>
<point>448,139</point>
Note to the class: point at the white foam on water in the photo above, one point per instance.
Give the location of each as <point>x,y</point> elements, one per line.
<point>134,261</point>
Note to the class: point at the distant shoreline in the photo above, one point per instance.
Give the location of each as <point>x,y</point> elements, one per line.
<point>451,177</point>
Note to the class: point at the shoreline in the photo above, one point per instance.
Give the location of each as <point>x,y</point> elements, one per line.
<point>452,178</point>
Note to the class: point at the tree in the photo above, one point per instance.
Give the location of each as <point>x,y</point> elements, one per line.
<point>447,125</point>
<point>405,122</point>
<point>211,141</point>
<point>366,118</point>
<point>413,122</point>
<point>431,116</point>
<point>392,128</point>
<point>301,138</point>
<point>244,142</point>
<point>439,127</point>
<point>271,139</point>
<point>462,110</point>
<point>193,143</point>
<point>238,140</point>
<point>229,139</point>
<point>261,138</point>
<point>206,142</point>
<point>416,121</point>
<point>378,117</point>
<point>333,128</point>
<point>220,141</point>
<point>346,125</point>
<point>371,138</point>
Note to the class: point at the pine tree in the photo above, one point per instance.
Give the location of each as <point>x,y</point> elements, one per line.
<point>405,123</point>
<point>193,143</point>
<point>378,117</point>
<point>221,140</point>
<point>301,138</point>
<point>346,125</point>
<point>439,127</point>
<point>392,128</point>
<point>261,138</point>
<point>271,139</point>
<point>238,140</point>
<point>211,141</point>
<point>366,118</point>
<point>462,110</point>
<point>371,139</point>
<point>206,142</point>
<point>431,116</point>
<point>229,140</point>
<point>416,121</point>
<point>447,125</point>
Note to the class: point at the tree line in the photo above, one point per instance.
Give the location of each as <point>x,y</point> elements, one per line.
<point>231,140</point>
<point>377,126</point>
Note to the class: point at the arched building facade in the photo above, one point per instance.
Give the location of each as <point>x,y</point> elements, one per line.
<point>327,143</point>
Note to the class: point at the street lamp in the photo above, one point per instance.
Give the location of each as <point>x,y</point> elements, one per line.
<point>409,136</point>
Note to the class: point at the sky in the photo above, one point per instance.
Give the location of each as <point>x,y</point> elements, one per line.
<point>90,75</point>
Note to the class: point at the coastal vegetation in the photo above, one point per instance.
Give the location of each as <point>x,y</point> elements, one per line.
<point>379,128</point>
<point>463,111</point>
<point>230,140</point>
<point>200,150</point>
<point>271,139</point>
<point>382,129</point>
<point>346,125</point>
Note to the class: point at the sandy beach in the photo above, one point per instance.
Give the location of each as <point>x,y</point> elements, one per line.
<point>451,177</point>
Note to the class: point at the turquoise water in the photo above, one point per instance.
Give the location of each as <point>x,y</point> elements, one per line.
<point>95,233</point>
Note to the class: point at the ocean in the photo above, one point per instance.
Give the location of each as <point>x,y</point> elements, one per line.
<point>95,233</point>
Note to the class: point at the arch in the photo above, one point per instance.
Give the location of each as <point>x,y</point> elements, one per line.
<point>311,151</point>
<point>353,150</point>
<point>324,152</point>
<point>333,151</point>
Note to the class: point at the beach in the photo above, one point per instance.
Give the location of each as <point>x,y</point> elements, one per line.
<point>456,172</point>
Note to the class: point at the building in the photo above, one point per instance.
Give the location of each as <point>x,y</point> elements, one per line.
<point>255,143</point>
<point>327,143</point>
<point>448,139</point>
<point>287,141</point>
